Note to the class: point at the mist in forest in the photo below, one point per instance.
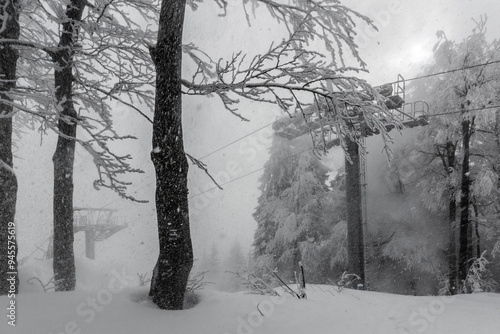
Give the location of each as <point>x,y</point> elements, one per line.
<point>222,216</point>
<point>398,224</point>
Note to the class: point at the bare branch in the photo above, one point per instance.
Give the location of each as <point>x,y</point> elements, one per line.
<point>203,167</point>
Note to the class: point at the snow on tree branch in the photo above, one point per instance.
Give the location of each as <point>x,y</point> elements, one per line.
<point>327,21</point>
<point>110,61</point>
<point>295,79</point>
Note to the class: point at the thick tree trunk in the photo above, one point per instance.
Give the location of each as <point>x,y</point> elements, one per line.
<point>175,260</point>
<point>355,236</point>
<point>465,238</point>
<point>64,156</point>
<point>9,19</point>
<point>452,216</point>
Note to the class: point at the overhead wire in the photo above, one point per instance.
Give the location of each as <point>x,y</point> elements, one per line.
<point>235,141</point>
<point>277,162</point>
<point>466,110</point>
<point>265,126</point>
<point>254,171</point>
<point>443,72</point>
<point>411,79</point>
<point>406,80</point>
<point>205,156</point>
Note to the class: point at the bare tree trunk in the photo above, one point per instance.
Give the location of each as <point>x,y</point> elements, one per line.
<point>452,216</point>
<point>64,156</point>
<point>477,235</point>
<point>355,236</point>
<point>465,239</point>
<point>175,260</point>
<point>9,19</point>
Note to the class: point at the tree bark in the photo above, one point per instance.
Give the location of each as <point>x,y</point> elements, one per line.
<point>175,260</point>
<point>9,19</point>
<point>64,155</point>
<point>452,216</point>
<point>355,236</point>
<point>477,235</point>
<point>465,233</point>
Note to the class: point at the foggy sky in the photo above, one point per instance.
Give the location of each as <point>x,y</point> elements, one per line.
<point>403,43</point>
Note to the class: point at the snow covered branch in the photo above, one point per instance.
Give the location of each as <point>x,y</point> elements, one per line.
<point>296,80</point>
<point>110,60</point>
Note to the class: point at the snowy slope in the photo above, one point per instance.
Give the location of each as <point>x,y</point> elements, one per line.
<point>116,308</point>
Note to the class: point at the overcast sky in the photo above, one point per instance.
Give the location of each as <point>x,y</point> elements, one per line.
<point>407,33</point>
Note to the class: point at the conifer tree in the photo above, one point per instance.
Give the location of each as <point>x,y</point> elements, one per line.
<point>296,215</point>
<point>456,175</point>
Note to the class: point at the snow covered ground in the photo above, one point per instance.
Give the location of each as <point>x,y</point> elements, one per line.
<point>115,304</point>
<point>108,300</point>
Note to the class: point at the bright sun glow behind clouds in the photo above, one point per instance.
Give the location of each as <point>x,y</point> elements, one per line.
<point>419,53</point>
